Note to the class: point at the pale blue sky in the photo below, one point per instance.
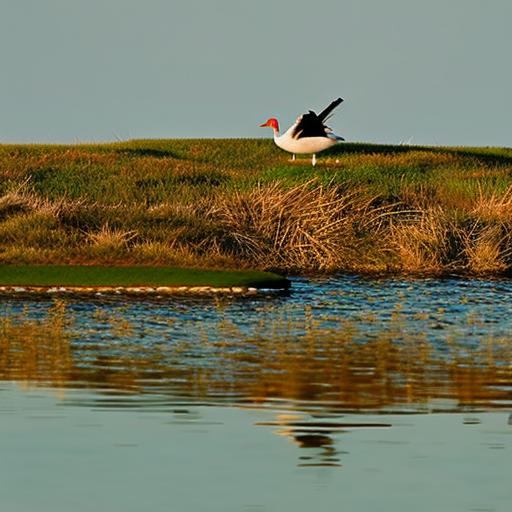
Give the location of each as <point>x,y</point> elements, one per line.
<point>433,72</point>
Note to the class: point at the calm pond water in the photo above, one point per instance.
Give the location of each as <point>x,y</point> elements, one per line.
<point>348,393</point>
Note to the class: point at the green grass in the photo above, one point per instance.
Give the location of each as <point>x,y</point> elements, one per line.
<point>225,204</point>
<point>65,275</point>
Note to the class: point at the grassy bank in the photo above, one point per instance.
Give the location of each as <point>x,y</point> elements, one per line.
<point>79,275</point>
<point>242,204</point>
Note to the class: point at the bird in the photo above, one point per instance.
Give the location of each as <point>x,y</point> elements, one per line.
<point>308,134</point>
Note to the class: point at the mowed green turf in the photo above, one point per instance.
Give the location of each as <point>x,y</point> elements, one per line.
<point>80,275</point>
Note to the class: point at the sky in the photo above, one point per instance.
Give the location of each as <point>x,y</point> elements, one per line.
<point>424,72</point>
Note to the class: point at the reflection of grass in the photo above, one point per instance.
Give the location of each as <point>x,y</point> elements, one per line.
<point>37,350</point>
<point>241,203</point>
<point>348,364</point>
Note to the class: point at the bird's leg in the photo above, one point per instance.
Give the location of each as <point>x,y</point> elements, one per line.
<point>313,160</point>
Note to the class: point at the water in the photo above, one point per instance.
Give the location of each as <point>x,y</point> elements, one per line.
<point>347,393</point>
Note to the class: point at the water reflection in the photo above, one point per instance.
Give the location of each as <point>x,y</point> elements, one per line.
<point>317,434</point>
<point>315,354</point>
<point>230,396</point>
<point>318,440</point>
<point>165,456</point>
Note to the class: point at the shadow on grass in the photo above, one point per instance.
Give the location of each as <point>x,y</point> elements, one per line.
<point>154,153</point>
<point>212,179</point>
<point>480,155</point>
<point>484,155</point>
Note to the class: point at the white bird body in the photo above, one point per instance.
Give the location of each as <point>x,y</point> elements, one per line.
<point>304,145</point>
<point>308,134</point>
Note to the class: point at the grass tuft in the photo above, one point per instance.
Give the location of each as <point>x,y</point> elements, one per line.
<point>310,226</point>
<point>488,249</point>
<point>425,243</point>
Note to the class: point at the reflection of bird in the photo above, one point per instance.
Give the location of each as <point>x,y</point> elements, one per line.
<point>310,435</point>
<point>308,134</point>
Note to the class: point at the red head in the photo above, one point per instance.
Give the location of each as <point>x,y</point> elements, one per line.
<point>272,122</point>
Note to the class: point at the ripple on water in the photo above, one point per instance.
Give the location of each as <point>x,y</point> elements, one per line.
<point>231,395</point>
<point>361,343</point>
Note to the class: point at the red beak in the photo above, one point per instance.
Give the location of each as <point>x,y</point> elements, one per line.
<point>264,124</point>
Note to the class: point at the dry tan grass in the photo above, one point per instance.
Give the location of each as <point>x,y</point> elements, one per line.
<point>20,254</point>
<point>34,228</point>
<point>22,199</point>
<point>18,199</point>
<point>309,226</point>
<point>487,248</point>
<point>161,253</point>
<point>425,242</point>
<point>110,240</point>
<point>177,254</point>
<point>172,210</point>
<point>493,205</point>
<point>13,202</point>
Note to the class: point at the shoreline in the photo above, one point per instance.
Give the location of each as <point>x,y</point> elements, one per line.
<point>134,280</point>
<point>131,290</point>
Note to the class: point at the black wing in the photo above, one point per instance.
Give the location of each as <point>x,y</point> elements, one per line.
<point>323,115</point>
<point>311,125</point>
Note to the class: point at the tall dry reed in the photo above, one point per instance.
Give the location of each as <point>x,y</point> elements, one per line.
<point>425,242</point>
<point>310,226</point>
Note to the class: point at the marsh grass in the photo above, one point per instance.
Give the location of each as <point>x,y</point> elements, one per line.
<point>310,226</point>
<point>493,205</point>
<point>242,203</point>
<point>109,240</point>
<point>427,242</point>
<point>488,248</point>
